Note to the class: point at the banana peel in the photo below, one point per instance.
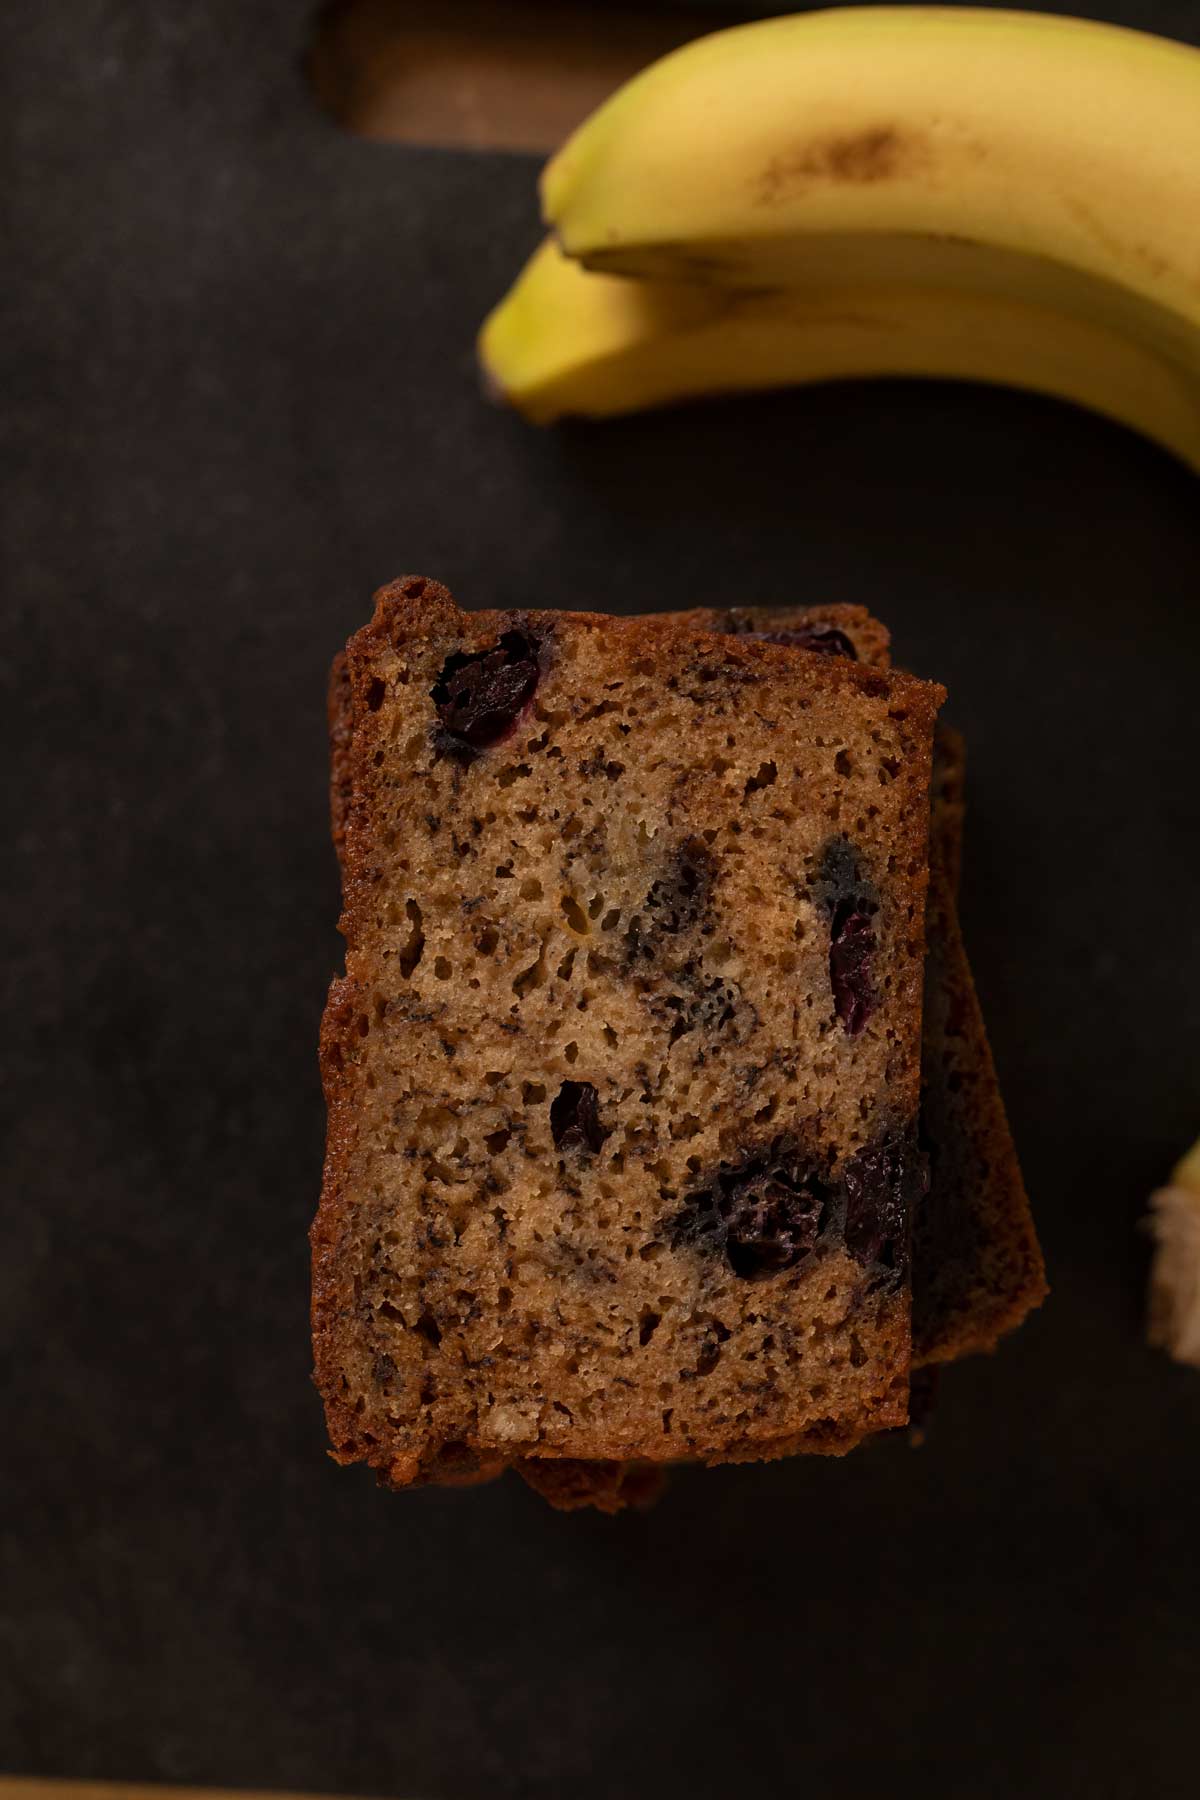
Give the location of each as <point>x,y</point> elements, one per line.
<point>883,191</point>
<point>568,342</point>
<point>1065,141</point>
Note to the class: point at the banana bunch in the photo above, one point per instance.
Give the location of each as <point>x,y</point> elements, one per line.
<point>924,191</point>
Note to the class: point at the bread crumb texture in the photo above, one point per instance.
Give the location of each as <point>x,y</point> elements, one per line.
<point>623,1074</point>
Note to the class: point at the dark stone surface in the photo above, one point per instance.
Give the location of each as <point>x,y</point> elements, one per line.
<point>239,394</point>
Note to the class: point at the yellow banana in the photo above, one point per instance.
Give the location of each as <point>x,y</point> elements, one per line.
<point>1047,159</point>
<point>565,341</point>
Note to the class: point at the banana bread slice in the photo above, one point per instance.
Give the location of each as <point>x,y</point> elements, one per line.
<point>624,1070</point>
<point>977,1263</point>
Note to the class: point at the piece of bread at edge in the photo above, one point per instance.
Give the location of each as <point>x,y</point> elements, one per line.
<point>623,1074</point>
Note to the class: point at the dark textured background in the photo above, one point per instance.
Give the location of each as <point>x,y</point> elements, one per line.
<point>239,394</point>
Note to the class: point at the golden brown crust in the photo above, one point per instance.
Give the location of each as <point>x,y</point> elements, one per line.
<point>947,801</point>
<point>340,721</point>
<point>611,1487</point>
<point>425,610</point>
<point>608,1487</point>
<point>977,1264</point>
<point>332,1282</point>
<point>869,637</point>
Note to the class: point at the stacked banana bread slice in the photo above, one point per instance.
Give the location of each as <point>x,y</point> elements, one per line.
<point>625,1074</point>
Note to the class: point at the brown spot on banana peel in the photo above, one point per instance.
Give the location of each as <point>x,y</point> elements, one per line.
<point>854,159</point>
